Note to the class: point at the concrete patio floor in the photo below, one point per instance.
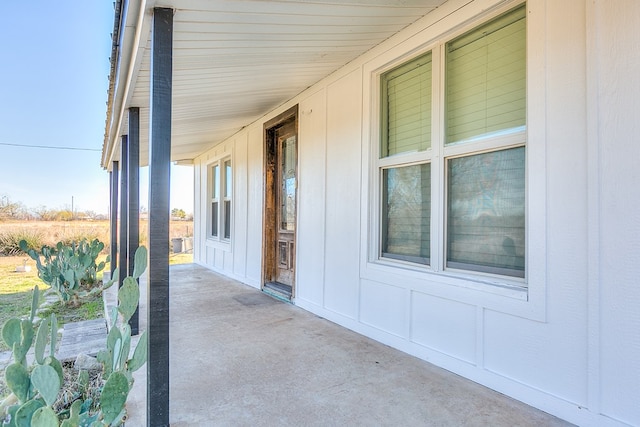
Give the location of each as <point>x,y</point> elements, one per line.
<point>242,358</point>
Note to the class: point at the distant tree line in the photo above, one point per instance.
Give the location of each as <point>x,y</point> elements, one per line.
<point>180,214</point>
<point>17,211</point>
<point>10,210</point>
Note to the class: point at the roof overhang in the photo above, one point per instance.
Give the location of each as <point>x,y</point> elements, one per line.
<point>233,61</point>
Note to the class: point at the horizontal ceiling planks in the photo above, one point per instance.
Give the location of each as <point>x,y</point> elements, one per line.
<point>237,46</point>
<point>236,60</point>
<point>325,22</point>
<point>252,36</point>
<point>362,8</point>
<point>248,30</point>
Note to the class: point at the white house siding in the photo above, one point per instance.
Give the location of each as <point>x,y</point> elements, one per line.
<point>342,208</point>
<point>573,349</point>
<point>311,213</point>
<point>615,150</point>
<point>255,171</point>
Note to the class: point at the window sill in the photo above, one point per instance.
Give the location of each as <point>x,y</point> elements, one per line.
<point>502,286</point>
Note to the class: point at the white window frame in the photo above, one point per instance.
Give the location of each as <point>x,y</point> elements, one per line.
<point>523,297</point>
<point>223,198</point>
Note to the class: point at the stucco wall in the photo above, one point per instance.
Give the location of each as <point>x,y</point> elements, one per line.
<point>570,346</point>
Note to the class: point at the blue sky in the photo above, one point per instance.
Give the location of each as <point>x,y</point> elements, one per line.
<point>53,91</point>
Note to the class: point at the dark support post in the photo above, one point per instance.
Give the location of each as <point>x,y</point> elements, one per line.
<point>124,204</point>
<point>134,201</point>
<point>159,178</point>
<point>113,217</point>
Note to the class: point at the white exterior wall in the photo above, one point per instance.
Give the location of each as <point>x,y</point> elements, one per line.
<point>572,348</point>
<point>614,152</point>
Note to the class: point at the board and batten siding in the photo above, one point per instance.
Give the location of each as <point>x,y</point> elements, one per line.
<point>614,204</point>
<point>577,353</point>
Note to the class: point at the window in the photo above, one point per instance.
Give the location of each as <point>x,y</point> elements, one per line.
<point>407,213</point>
<point>485,212</point>
<point>215,199</point>
<point>227,200</point>
<point>406,188</point>
<point>452,166</point>
<point>220,192</point>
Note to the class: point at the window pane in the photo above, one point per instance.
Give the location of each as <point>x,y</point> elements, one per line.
<point>406,216</point>
<point>215,179</point>
<point>214,219</point>
<point>485,212</point>
<point>227,178</point>
<point>406,107</point>
<point>288,185</point>
<point>227,219</point>
<point>486,78</point>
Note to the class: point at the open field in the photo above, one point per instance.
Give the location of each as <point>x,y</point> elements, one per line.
<point>51,232</point>
<point>16,288</point>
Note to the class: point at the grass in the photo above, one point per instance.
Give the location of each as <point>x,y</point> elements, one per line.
<point>180,259</point>
<point>91,309</point>
<point>16,289</point>
<point>16,292</point>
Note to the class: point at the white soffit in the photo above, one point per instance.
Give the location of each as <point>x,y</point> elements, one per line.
<point>236,60</point>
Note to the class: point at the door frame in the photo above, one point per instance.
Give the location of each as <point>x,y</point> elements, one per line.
<point>269,215</point>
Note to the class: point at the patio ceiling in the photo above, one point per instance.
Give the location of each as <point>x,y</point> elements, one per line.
<point>235,60</point>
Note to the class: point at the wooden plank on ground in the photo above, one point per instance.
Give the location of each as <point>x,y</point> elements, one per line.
<point>88,337</point>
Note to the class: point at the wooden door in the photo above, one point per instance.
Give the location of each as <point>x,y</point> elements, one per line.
<point>281,140</point>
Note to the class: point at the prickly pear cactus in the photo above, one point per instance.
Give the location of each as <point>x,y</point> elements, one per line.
<point>32,387</point>
<point>45,380</point>
<point>18,381</point>
<point>114,396</point>
<point>36,388</point>
<point>18,333</point>
<point>24,414</point>
<point>71,271</point>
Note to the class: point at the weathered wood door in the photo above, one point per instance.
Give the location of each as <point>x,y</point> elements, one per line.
<point>281,201</point>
